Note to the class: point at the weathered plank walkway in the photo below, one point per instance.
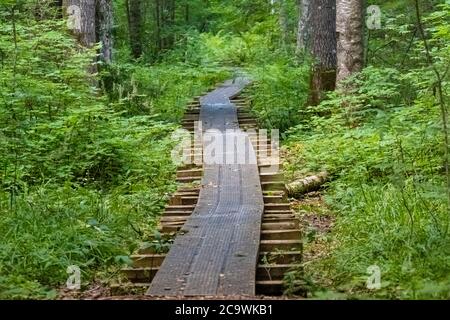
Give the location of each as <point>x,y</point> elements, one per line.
<point>216,252</point>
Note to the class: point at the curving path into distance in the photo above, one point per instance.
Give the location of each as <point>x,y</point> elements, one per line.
<point>216,252</point>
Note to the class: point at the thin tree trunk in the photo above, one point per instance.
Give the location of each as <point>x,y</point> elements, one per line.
<point>304,26</point>
<point>162,13</point>
<point>323,30</point>
<point>441,102</point>
<point>105,24</point>
<point>159,44</point>
<point>167,13</point>
<point>186,12</point>
<point>172,8</point>
<point>82,16</point>
<point>205,23</point>
<point>284,22</point>
<point>135,27</point>
<point>350,42</point>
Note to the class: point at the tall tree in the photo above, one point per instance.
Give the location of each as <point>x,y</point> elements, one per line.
<point>81,15</point>
<point>135,26</point>
<point>91,21</point>
<point>323,31</point>
<point>350,45</point>
<point>159,44</point>
<point>284,23</point>
<point>105,24</point>
<point>186,12</point>
<point>167,22</point>
<point>304,26</point>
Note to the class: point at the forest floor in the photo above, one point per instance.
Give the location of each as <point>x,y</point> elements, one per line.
<point>317,223</point>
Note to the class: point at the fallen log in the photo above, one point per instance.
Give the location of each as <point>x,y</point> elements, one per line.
<point>309,184</point>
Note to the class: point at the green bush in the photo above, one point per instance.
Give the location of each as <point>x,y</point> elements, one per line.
<point>387,187</point>
<point>280,94</point>
<point>84,175</point>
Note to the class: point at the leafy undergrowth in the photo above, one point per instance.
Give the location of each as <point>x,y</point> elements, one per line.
<point>281,87</point>
<point>85,159</point>
<point>84,175</point>
<point>382,143</point>
<point>387,192</point>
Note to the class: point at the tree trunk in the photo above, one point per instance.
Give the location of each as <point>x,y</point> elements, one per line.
<point>167,18</point>
<point>206,18</point>
<point>135,27</point>
<point>304,26</point>
<point>159,44</point>
<point>350,45</point>
<point>105,24</point>
<point>173,20</point>
<point>309,184</point>
<point>284,22</point>
<point>186,12</point>
<point>163,13</point>
<point>81,14</point>
<point>323,30</point>
<point>170,12</point>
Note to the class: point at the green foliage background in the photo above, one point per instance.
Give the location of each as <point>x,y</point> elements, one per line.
<point>84,173</point>
<point>85,170</point>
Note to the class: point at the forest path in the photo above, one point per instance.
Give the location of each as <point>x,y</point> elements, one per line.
<point>216,252</point>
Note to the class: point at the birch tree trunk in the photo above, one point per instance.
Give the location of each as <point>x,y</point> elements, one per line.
<point>350,45</point>
<point>304,26</point>
<point>298,188</point>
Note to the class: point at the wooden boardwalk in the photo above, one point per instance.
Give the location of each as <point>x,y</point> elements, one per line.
<point>216,252</point>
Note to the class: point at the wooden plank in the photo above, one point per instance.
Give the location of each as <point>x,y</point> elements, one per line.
<point>216,251</point>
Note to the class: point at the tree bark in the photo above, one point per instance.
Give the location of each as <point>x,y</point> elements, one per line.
<point>105,24</point>
<point>135,27</point>
<point>350,43</point>
<point>82,20</point>
<point>323,30</point>
<point>186,12</point>
<point>304,26</point>
<point>81,16</point>
<point>159,44</point>
<point>284,22</point>
<point>309,184</point>
<point>170,9</point>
